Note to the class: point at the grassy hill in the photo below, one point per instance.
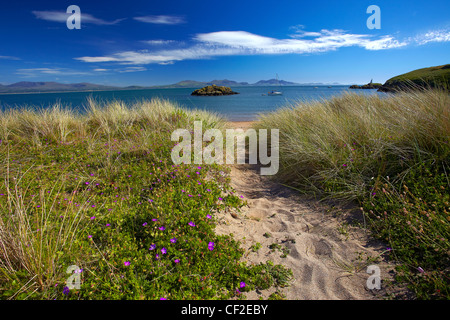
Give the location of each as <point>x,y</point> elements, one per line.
<point>434,77</point>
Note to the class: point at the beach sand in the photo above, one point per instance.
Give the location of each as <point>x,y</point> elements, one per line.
<point>328,256</point>
<point>241,124</point>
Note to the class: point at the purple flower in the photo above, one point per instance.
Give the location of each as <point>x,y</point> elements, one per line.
<point>220,199</point>
<point>66,291</point>
<point>107,224</point>
<point>208,216</point>
<point>92,218</point>
<point>163,250</point>
<point>176,260</point>
<point>420,270</point>
<point>154,220</point>
<point>152,247</point>
<point>162,298</point>
<point>242,284</point>
<point>126,263</point>
<point>157,257</point>
<point>191,224</point>
<point>144,224</point>
<point>162,228</point>
<point>173,240</point>
<point>89,236</point>
<point>211,246</point>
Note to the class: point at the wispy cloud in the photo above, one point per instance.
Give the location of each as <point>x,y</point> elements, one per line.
<point>9,58</point>
<point>60,16</point>
<point>121,70</point>
<point>159,42</point>
<point>323,41</point>
<point>442,35</point>
<point>35,72</point>
<point>228,43</point>
<point>131,69</point>
<point>161,19</point>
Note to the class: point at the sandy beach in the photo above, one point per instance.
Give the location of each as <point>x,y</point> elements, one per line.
<point>241,124</point>
<point>328,256</point>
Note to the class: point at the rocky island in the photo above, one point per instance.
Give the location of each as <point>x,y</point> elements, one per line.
<point>213,90</point>
<point>370,85</point>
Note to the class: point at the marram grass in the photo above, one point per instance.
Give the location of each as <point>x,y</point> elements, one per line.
<point>391,156</point>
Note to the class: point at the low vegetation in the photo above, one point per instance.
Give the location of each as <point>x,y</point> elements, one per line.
<point>98,191</point>
<point>391,156</point>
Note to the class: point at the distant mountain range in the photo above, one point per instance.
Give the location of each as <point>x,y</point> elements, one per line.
<point>28,86</point>
<point>33,87</point>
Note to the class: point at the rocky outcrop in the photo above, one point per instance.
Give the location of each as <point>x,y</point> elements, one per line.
<point>213,90</point>
<point>370,85</point>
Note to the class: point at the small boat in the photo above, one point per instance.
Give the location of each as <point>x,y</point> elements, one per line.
<point>274,92</point>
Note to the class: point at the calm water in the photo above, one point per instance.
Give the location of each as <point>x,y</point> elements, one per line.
<point>244,106</point>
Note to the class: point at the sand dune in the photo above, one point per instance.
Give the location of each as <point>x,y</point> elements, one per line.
<point>328,256</point>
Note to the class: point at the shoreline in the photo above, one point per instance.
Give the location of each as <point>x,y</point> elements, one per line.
<point>152,88</point>
<point>242,124</point>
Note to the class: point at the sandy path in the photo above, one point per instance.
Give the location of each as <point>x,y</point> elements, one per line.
<point>327,254</point>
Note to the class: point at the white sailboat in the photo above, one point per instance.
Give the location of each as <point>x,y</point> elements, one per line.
<point>274,92</point>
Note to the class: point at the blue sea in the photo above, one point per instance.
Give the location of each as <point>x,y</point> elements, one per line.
<point>244,106</point>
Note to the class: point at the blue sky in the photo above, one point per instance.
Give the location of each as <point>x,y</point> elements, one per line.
<point>162,42</point>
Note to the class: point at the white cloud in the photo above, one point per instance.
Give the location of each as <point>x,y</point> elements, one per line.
<point>228,43</point>
<point>325,40</point>
<point>59,16</point>
<point>386,42</point>
<point>9,58</point>
<point>442,35</point>
<point>131,69</point>
<point>97,59</point>
<point>159,42</point>
<point>34,72</point>
<point>161,19</point>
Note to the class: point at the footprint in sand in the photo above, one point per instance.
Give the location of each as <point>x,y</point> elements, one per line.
<point>306,231</point>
